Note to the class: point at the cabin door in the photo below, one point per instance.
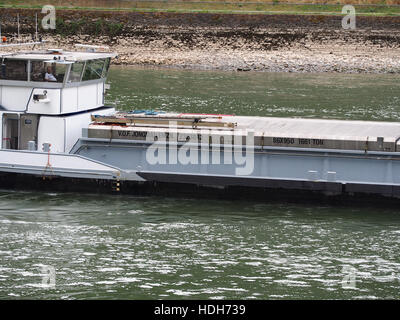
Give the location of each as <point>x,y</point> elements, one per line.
<point>28,131</point>
<point>10,123</point>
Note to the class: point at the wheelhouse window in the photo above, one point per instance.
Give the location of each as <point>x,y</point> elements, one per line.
<point>106,67</point>
<point>76,72</point>
<point>93,69</point>
<point>11,69</point>
<point>48,72</point>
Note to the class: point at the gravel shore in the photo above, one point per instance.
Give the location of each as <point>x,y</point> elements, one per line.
<point>308,56</point>
<point>242,54</point>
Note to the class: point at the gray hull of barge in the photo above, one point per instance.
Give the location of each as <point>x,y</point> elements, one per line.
<point>329,172</point>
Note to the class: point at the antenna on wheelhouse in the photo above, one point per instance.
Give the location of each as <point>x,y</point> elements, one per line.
<point>36,27</point>
<point>36,40</point>
<point>18,26</point>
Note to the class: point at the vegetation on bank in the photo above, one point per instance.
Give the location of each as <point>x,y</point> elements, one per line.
<point>329,7</point>
<point>98,27</point>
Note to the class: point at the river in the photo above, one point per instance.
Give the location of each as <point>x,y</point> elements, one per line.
<point>86,246</point>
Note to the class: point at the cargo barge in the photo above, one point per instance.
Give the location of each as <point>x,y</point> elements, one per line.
<point>57,134</point>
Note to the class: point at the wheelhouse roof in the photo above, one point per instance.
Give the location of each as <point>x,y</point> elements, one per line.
<point>47,55</point>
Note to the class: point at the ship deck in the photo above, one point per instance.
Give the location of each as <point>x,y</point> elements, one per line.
<point>268,131</point>
<point>319,128</point>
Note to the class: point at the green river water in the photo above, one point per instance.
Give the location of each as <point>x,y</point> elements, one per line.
<point>127,247</point>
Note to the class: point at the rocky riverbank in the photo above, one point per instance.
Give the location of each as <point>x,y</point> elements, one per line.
<point>244,55</point>
<point>278,43</point>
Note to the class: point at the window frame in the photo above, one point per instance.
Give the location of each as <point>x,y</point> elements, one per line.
<point>107,63</point>
<point>27,65</point>
<point>66,74</point>
<point>102,69</point>
<point>70,72</point>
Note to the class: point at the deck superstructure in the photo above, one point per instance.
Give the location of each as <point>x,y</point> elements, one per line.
<point>46,97</point>
<point>44,93</point>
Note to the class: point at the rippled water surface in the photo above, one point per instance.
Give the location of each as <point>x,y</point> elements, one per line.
<point>153,247</point>
<point>340,96</point>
